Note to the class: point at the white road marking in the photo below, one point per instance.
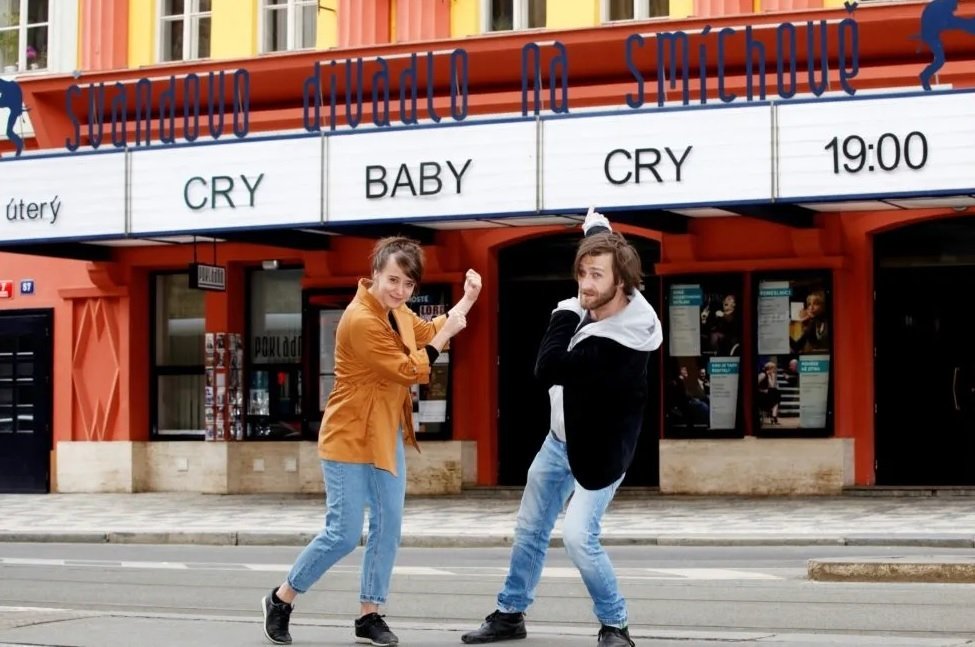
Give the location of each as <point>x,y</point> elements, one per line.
<point>551,572</point>
<point>713,574</point>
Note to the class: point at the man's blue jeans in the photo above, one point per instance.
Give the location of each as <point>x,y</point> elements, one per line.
<point>550,483</point>
<point>349,488</point>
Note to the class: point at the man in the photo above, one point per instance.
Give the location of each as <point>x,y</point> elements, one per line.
<point>594,358</point>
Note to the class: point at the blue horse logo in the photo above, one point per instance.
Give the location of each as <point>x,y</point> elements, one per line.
<point>937,18</point>
<point>12,98</point>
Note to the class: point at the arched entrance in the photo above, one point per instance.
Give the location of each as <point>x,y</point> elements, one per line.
<point>925,354</point>
<point>533,276</point>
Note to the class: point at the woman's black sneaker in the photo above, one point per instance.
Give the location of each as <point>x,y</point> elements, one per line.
<point>276,619</point>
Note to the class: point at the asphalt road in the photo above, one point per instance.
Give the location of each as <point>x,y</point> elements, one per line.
<point>76,595</point>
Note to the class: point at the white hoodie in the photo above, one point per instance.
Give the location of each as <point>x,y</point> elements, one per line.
<point>636,326</point>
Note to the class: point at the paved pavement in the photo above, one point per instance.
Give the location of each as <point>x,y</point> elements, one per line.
<point>488,520</point>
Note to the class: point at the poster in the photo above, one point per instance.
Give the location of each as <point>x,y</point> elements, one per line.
<point>809,329</point>
<point>688,393</point>
<point>813,390</point>
<point>722,391</point>
<point>720,322</point>
<point>430,406</point>
<point>685,320</point>
<point>773,317</point>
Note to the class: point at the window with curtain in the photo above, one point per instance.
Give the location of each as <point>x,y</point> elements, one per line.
<point>184,30</point>
<point>177,356</point>
<point>505,15</point>
<point>288,24</point>
<point>24,31</point>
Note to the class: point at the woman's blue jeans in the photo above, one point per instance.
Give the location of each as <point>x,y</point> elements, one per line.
<point>349,489</point>
<point>550,484</point>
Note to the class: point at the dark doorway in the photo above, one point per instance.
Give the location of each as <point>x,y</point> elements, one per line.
<point>25,401</point>
<point>533,277</point>
<point>925,359</point>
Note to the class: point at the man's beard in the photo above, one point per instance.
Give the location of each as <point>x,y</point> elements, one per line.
<point>597,301</point>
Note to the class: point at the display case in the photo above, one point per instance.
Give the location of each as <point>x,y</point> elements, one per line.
<point>223,397</point>
<point>793,354</point>
<point>702,395</point>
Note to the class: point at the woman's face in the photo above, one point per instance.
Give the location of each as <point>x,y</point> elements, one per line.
<point>814,305</point>
<point>392,287</point>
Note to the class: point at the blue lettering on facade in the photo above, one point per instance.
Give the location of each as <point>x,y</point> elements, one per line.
<point>671,61</point>
<point>140,96</point>
<point>324,83</point>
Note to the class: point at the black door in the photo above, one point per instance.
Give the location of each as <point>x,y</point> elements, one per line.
<point>533,278</point>
<point>25,402</point>
<point>925,376</point>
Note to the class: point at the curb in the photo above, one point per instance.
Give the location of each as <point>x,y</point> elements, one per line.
<point>301,538</point>
<point>940,569</point>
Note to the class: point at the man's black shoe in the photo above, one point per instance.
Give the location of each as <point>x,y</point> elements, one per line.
<point>614,637</point>
<point>276,619</point>
<point>496,627</point>
<point>371,629</point>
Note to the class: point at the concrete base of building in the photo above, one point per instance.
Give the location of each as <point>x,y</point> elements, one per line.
<point>443,467</point>
<point>756,466</point>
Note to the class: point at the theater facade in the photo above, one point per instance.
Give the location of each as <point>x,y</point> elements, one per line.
<point>179,241</point>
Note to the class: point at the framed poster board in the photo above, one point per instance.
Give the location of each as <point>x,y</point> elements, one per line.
<point>793,354</point>
<point>702,395</point>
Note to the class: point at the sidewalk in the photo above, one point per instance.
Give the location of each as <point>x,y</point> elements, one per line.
<point>485,520</point>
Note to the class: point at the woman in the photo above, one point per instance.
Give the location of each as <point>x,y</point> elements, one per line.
<point>381,349</point>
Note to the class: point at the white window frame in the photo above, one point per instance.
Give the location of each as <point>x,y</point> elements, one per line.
<point>292,8</point>
<point>519,17</point>
<point>191,46</point>
<point>641,11</point>
<point>22,65</point>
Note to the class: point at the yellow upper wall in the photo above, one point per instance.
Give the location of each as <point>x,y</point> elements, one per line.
<point>681,8</point>
<point>142,32</point>
<point>328,25</point>
<point>465,18</point>
<point>233,28</point>
<point>560,14</point>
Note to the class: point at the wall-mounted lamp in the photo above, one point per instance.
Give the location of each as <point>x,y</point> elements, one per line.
<point>270,265</point>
